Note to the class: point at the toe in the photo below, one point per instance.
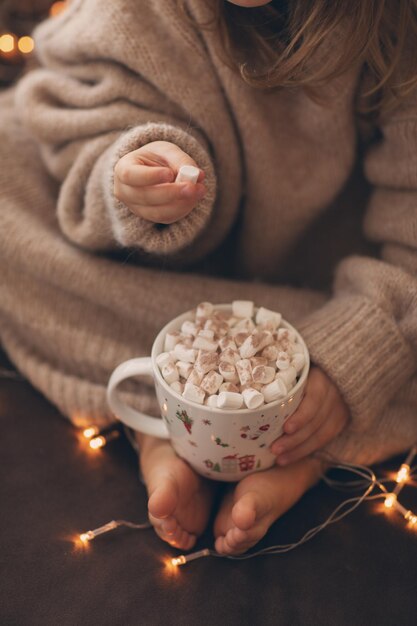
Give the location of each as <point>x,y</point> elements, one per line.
<point>250,508</point>
<point>163,499</point>
<point>169,525</point>
<point>222,521</point>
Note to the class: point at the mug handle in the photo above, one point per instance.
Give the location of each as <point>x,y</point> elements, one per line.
<point>135,419</point>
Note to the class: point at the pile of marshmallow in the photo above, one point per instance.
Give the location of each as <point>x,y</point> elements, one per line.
<point>232,361</point>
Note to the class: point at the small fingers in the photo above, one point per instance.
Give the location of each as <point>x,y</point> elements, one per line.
<point>330,424</point>
<point>317,388</point>
<point>130,172</point>
<point>156,195</point>
<point>285,443</point>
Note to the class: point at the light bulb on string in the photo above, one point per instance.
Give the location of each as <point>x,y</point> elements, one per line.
<point>390,500</point>
<point>89,535</point>
<point>186,558</point>
<point>57,8</point>
<point>26,45</point>
<point>8,44</point>
<point>403,473</point>
<point>99,442</point>
<point>90,431</point>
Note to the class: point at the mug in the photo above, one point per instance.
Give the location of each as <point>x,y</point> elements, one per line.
<point>220,444</point>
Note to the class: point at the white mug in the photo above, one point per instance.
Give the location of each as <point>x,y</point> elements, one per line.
<point>220,444</point>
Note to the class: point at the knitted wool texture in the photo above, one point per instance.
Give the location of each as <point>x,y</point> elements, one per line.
<point>86,284</point>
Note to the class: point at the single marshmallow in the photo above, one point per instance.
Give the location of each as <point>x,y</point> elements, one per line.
<point>231,387</point>
<point>204,309</point>
<point>286,333</point>
<point>244,371</point>
<point>230,356</point>
<point>298,361</point>
<point>218,327</point>
<point>252,398</point>
<point>163,359</point>
<point>251,385</point>
<point>171,340</point>
<point>207,334</point>
<point>211,382</point>
<point>212,401</point>
<point>184,368</point>
<point>242,308</point>
<point>177,386</point>
<point>274,390</point>
<point>283,361</point>
<point>228,371</point>
<point>289,376</point>
<point>193,393</point>
<point>240,338</point>
<point>268,318</point>
<point>195,377</point>
<point>270,353</point>
<point>258,360</point>
<point>189,328</point>
<point>206,361</point>
<point>226,342</point>
<point>263,374</point>
<point>229,400</point>
<point>186,341</point>
<point>285,345</point>
<point>245,324</point>
<point>254,343</point>
<point>170,373</point>
<point>188,174</point>
<point>202,343</point>
<point>183,353</point>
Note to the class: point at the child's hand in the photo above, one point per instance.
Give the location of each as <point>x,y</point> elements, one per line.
<point>144,181</point>
<point>321,416</point>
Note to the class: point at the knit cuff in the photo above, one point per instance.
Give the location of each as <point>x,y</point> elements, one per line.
<point>361,349</point>
<point>136,232</point>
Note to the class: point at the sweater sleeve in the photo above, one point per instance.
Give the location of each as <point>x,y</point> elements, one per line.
<point>365,337</point>
<point>87,112</point>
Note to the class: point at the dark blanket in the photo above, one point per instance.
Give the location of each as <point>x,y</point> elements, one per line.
<point>361,571</point>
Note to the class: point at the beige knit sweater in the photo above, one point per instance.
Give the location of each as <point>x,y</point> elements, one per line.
<point>85,284</point>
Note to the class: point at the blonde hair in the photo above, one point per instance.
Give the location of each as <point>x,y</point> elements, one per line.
<point>271,46</point>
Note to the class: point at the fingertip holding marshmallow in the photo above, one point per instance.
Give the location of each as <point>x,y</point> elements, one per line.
<point>188,174</point>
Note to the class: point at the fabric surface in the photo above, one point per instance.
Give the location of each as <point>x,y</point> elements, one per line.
<point>86,284</point>
<point>360,571</point>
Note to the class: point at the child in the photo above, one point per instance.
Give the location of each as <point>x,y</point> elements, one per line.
<point>100,247</point>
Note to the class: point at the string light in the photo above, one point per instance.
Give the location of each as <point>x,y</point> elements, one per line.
<point>26,44</point>
<point>101,440</point>
<point>366,480</point>
<point>89,535</point>
<point>390,501</point>
<point>10,43</point>
<point>403,474</point>
<point>7,43</point>
<point>57,8</point>
<point>90,432</point>
<point>411,518</point>
<point>186,558</point>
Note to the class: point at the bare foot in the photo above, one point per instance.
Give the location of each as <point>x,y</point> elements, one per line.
<point>248,511</point>
<point>179,499</point>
